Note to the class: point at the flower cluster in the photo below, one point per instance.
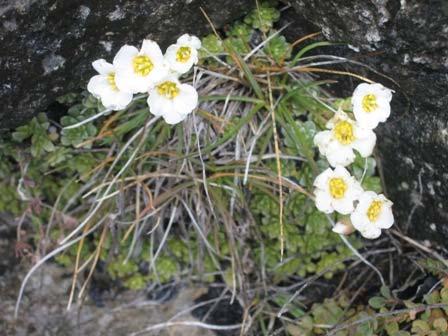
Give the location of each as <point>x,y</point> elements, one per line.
<point>148,70</point>
<point>335,189</point>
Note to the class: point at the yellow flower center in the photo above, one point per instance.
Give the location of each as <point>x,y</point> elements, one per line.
<point>369,103</point>
<point>374,210</point>
<point>111,81</point>
<point>337,187</point>
<point>168,89</point>
<point>142,65</point>
<point>343,132</point>
<point>183,54</point>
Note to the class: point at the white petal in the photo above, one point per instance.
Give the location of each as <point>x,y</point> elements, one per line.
<point>157,104</point>
<point>342,172</point>
<point>189,40</point>
<point>180,67</point>
<point>359,219</point>
<point>367,197</point>
<point>112,99</point>
<point>366,144</point>
<point>321,180</point>
<point>188,97</point>
<point>338,154</point>
<point>170,54</point>
<point>152,49</point>
<point>383,111</point>
<point>368,120</point>
<point>194,56</point>
<point>173,117</point>
<point>323,201</point>
<point>321,140</point>
<point>123,58</point>
<point>361,90</point>
<point>371,232</point>
<point>355,190</point>
<point>157,74</point>
<point>103,67</point>
<point>128,82</point>
<point>343,206</point>
<point>98,85</point>
<point>171,51</point>
<point>119,101</point>
<point>386,218</point>
<point>381,91</point>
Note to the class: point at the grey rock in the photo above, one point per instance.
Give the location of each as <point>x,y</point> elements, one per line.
<point>47,46</point>
<point>407,40</point>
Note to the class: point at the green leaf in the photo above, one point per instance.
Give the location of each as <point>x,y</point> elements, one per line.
<point>75,136</point>
<point>433,297</point>
<point>372,183</point>
<point>308,48</point>
<point>377,302</point>
<point>263,17</point>
<point>409,304</point>
<point>444,295</point>
<point>278,49</point>
<point>22,133</point>
<point>420,327</point>
<point>392,328</point>
<point>298,134</point>
<point>440,324</point>
<point>211,44</point>
<point>402,333</point>
<point>385,291</point>
<point>360,164</point>
<point>239,46</point>
<point>241,30</point>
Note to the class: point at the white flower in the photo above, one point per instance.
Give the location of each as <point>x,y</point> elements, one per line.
<point>371,104</point>
<point>103,87</point>
<point>336,190</point>
<point>172,100</point>
<point>137,71</point>
<point>373,213</point>
<point>182,55</point>
<point>344,135</point>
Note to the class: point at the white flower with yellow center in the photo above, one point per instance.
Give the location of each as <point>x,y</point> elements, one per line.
<point>336,190</point>
<point>373,213</point>
<point>103,87</point>
<point>371,104</point>
<point>344,135</point>
<point>172,100</point>
<point>138,70</point>
<point>182,55</point>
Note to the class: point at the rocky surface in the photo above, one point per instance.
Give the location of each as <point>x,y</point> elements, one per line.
<point>104,312</point>
<point>47,46</point>
<point>170,309</point>
<point>406,40</point>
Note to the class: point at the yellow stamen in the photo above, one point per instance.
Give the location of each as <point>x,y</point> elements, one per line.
<point>337,187</point>
<point>168,89</point>
<point>343,132</point>
<point>183,54</point>
<point>374,210</point>
<point>142,65</point>
<point>369,103</point>
<point>111,81</point>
